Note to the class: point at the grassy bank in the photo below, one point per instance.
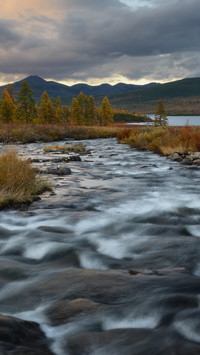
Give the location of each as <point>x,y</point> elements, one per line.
<point>19,184</point>
<point>165,140</point>
<point>27,133</point>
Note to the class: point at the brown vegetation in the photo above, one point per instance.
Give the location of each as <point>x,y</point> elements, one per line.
<point>164,140</point>
<point>174,106</point>
<point>29,133</point>
<point>76,148</point>
<point>19,183</point>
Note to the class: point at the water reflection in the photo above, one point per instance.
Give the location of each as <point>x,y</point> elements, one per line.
<point>174,121</point>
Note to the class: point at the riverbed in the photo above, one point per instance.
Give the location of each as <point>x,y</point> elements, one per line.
<point>109,263</point>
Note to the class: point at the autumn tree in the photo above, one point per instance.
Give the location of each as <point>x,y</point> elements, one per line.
<point>84,108</point>
<point>56,102</point>
<point>10,89</point>
<point>47,111</point>
<point>160,115</point>
<point>75,112</point>
<point>106,112</point>
<point>66,114</point>
<point>26,108</point>
<point>7,108</point>
<point>92,111</point>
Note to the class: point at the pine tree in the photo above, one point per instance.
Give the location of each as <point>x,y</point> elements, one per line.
<point>47,111</point>
<point>106,112</point>
<point>26,110</point>
<point>7,108</point>
<point>160,115</point>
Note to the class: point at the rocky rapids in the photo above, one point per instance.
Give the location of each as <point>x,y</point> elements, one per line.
<point>107,263</point>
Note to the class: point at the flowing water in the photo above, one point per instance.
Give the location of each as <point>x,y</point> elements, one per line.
<point>110,262</point>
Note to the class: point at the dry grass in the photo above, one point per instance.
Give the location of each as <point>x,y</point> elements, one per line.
<point>77,148</point>
<point>18,181</point>
<point>29,133</point>
<point>165,140</point>
<point>170,150</point>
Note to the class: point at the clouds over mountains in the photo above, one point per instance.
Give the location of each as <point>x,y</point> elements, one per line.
<point>91,39</point>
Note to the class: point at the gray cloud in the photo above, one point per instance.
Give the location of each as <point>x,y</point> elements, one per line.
<point>8,34</point>
<point>98,39</point>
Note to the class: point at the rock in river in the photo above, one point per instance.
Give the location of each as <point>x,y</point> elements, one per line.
<point>21,337</point>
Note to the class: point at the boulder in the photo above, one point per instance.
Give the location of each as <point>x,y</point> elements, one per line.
<point>187,161</point>
<point>175,157</point>
<point>21,337</point>
<point>195,155</point>
<point>62,170</point>
<point>74,158</point>
<point>62,311</point>
<point>59,170</point>
<point>196,162</point>
<point>132,341</point>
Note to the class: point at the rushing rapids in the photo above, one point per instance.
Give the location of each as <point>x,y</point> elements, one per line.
<point>109,263</point>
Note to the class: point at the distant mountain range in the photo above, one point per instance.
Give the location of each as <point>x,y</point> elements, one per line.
<point>180,97</point>
<point>54,89</point>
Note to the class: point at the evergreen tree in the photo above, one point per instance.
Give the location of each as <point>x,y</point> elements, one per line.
<point>106,112</point>
<point>47,111</point>
<point>160,115</point>
<point>7,108</point>
<point>26,110</point>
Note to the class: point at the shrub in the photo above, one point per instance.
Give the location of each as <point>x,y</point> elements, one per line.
<point>19,183</point>
<point>164,140</point>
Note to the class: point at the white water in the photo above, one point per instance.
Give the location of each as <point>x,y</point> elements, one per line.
<point>131,211</point>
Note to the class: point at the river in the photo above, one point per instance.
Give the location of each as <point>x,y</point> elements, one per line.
<point>109,263</point>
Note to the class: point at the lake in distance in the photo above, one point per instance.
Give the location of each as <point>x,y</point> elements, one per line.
<point>176,121</point>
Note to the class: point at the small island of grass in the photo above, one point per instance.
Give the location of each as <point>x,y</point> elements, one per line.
<point>19,183</point>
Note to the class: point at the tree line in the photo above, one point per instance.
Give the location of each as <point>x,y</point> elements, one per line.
<point>25,110</point>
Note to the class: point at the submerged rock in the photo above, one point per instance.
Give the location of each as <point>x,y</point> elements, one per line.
<point>132,342</point>
<point>74,158</point>
<point>187,161</point>
<point>21,337</point>
<point>64,310</point>
<point>59,170</point>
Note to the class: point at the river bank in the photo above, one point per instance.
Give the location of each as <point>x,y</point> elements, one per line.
<point>109,262</point>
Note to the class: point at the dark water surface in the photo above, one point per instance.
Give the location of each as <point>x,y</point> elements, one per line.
<point>110,263</point>
<point>174,121</point>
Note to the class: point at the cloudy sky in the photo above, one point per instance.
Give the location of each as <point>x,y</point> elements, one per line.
<point>96,41</point>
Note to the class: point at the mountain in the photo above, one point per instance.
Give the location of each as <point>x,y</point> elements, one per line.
<point>54,89</point>
<point>180,97</point>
